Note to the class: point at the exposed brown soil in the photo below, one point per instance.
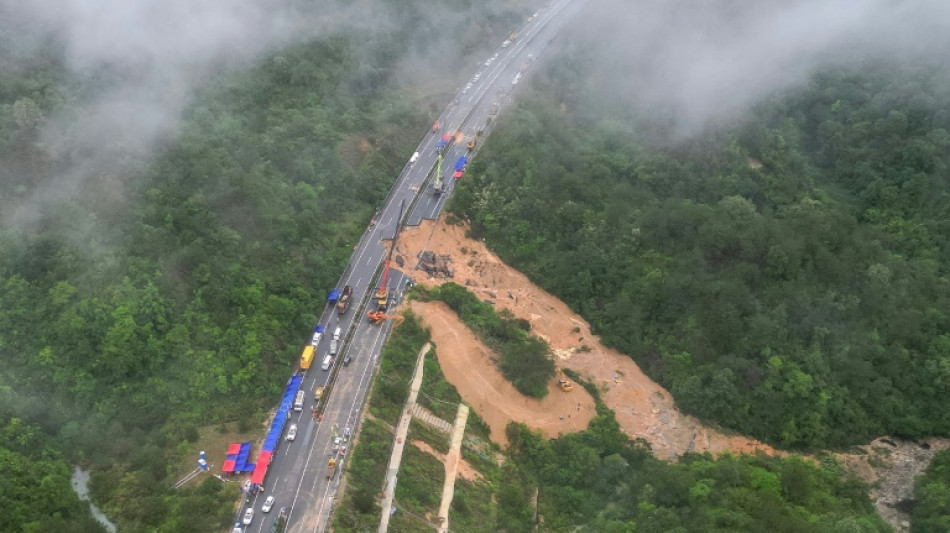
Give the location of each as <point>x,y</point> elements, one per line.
<point>468,365</point>
<point>643,408</point>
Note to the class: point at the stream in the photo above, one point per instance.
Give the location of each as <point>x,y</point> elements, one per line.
<point>80,483</point>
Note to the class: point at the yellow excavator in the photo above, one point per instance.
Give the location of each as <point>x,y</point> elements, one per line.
<point>562,381</point>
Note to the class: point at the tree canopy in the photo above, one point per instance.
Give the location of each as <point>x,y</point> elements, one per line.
<point>785,276</point>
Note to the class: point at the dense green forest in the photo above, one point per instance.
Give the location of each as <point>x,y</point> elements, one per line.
<point>931,511</point>
<point>35,494</point>
<point>600,479</point>
<point>172,293</point>
<point>784,275</point>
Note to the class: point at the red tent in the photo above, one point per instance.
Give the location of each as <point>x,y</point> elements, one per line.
<point>260,469</point>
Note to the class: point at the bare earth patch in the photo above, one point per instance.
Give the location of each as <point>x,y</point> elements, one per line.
<point>468,365</point>
<point>643,408</point>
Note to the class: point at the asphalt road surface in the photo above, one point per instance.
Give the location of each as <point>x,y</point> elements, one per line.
<point>297,476</point>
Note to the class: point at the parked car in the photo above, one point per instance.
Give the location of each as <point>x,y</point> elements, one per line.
<point>248,516</point>
<point>268,503</point>
<point>292,432</point>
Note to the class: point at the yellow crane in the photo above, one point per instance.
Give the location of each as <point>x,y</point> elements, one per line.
<point>562,381</point>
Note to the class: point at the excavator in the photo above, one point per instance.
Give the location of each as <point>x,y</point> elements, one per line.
<point>562,381</point>
<point>382,295</point>
<point>377,317</point>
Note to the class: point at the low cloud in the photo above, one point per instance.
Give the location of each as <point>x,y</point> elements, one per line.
<point>708,60</point>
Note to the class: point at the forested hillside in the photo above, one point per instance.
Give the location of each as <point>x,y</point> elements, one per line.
<point>171,291</point>
<point>602,480</point>
<point>784,275</point>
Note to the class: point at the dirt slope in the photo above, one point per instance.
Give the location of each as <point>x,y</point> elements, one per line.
<point>468,365</point>
<point>644,409</point>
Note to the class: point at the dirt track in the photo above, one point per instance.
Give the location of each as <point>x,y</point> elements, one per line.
<point>643,408</point>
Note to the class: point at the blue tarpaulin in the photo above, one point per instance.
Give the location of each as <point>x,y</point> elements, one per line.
<point>334,295</point>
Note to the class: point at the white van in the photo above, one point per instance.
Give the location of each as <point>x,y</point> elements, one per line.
<point>327,361</point>
<point>298,401</point>
<point>334,346</point>
<point>414,158</point>
<point>336,334</point>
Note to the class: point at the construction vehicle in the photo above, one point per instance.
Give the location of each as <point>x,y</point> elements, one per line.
<point>318,393</point>
<point>382,295</point>
<point>562,381</point>
<point>344,302</point>
<point>331,468</point>
<point>438,186</point>
<point>306,357</point>
<point>378,317</point>
<point>471,143</point>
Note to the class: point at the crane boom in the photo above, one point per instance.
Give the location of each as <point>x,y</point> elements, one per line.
<point>382,295</point>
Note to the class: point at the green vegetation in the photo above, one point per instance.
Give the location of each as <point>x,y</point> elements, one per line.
<point>391,386</point>
<point>365,475</point>
<point>435,438</point>
<point>601,479</point>
<point>190,308</point>
<point>173,289</point>
<point>785,277</point>
<point>418,492</point>
<point>436,393</point>
<point>522,358</point>
<point>931,506</point>
<point>35,492</point>
<point>472,510</point>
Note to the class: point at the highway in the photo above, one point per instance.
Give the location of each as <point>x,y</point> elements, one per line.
<point>297,476</point>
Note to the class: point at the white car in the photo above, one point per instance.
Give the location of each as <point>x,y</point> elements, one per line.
<point>268,503</point>
<point>477,75</point>
<point>337,442</point>
<point>248,516</point>
<point>292,432</point>
<point>488,62</point>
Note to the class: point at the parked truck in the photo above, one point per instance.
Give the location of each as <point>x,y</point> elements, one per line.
<point>344,302</point>
<point>306,357</point>
<point>331,468</point>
